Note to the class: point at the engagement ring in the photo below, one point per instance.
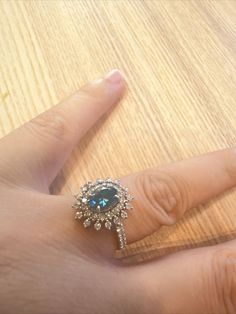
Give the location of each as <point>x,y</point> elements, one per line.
<point>104,204</point>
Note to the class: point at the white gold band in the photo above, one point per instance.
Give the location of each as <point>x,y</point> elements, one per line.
<point>120,229</point>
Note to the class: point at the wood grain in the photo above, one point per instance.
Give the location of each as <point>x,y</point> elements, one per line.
<point>179,58</point>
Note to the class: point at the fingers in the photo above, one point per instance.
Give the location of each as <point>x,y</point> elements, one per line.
<point>162,195</point>
<point>38,149</point>
<point>195,281</point>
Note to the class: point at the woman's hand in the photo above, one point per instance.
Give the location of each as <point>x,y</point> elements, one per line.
<point>49,264</point>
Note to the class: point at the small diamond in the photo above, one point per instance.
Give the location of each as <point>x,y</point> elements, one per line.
<point>128,206</point>
<point>108,225</point>
<point>116,211</point>
<point>97,225</point>
<point>130,198</point>
<point>87,214</point>
<point>87,223</point>
<point>78,215</point>
<point>116,220</point>
<point>75,206</point>
<point>102,217</point>
<point>77,196</point>
<point>84,200</point>
<point>124,214</point>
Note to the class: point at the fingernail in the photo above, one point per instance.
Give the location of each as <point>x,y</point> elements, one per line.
<point>115,77</point>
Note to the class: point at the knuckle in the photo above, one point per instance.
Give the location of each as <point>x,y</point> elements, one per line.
<point>223,279</point>
<point>165,195</point>
<point>49,124</point>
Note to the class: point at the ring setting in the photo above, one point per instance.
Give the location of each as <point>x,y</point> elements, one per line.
<point>104,204</point>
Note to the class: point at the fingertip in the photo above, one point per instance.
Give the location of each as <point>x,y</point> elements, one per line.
<point>116,80</point>
<point>115,76</point>
<point>112,85</point>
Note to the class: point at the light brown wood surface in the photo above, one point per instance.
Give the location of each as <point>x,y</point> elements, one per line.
<point>179,58</point>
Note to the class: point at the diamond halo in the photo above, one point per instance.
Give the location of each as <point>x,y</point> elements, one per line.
<point>103,204</point>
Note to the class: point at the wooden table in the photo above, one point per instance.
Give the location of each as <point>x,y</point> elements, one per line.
<point>179,58</point>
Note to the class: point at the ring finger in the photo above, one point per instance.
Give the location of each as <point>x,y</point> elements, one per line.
<point>162,195</point>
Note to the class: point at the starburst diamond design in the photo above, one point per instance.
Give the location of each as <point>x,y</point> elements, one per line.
<point>103,203</point>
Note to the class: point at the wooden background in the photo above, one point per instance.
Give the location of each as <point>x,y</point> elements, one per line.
<point>179,58</point>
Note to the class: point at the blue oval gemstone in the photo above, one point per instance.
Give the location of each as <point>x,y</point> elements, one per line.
<point>92,203</point>
<point>106,198</point>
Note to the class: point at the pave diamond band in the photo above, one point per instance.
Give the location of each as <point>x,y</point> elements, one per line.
<point>121,235</point>
<point>104,203</point>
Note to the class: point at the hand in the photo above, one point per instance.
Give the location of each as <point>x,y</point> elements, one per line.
<point>50,264</point>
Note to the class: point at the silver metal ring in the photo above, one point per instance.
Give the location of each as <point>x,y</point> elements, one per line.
<point>104,203</point>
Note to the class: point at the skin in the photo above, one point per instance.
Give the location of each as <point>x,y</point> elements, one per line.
<point>50,264</point>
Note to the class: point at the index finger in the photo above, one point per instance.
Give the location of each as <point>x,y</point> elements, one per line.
<point>38,149</point>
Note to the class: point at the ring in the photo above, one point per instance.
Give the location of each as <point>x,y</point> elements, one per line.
<point>104,203</point>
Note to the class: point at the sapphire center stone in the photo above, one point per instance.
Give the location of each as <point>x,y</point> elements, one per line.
<point>106,198</point>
